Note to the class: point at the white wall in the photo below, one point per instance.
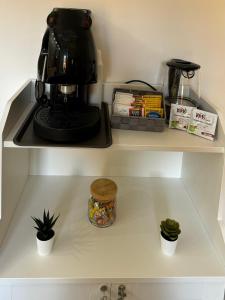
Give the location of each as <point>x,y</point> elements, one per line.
<point>135,36</point>
<point>97,162</point>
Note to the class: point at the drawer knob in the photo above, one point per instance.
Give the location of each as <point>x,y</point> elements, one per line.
<point>121,292</point>
<point>104,289</point>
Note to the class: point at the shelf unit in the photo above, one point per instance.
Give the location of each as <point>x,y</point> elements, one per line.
<point>128,251</point>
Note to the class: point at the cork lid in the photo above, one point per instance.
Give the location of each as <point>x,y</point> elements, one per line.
<point>103,189</point>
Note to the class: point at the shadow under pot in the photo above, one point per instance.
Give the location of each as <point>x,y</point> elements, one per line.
<point>102,202</point>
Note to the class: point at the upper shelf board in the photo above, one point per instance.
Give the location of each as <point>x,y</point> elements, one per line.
<point>168,140</point>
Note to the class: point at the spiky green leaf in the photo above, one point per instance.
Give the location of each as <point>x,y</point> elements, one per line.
<point>45,226</point>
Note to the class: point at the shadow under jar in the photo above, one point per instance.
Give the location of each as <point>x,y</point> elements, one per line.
<point>102,202</point>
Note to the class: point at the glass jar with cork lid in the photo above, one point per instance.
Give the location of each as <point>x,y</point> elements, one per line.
<point>102,202</point>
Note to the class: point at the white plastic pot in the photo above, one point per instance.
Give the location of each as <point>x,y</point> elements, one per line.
<point>168,247</point>
<point>45,247</point>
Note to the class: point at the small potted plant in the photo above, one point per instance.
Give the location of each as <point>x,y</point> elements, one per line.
<point>170,229</point>
<point>45,233</point>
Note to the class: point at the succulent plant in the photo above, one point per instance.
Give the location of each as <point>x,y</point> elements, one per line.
<point>170,229</point>
<point>44,227</point>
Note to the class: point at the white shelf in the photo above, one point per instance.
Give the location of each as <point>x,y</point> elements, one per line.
<point>130,249</point>
<point>169,140</point>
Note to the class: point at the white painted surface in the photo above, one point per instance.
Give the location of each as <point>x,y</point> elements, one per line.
<point>130,249</point>
<point>56,292</point>
<point>202,176</point>
<point>98,162</point>
<point>12,112</point>
<point>5,293</point>
<point>168,140</point>
<point>134,291</point>
<point>135,38</point>
<point>163,291</point>
<point>15,171</point>
<point>221,208</point>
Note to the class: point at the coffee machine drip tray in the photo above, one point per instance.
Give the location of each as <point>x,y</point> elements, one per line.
<point>102,139</point>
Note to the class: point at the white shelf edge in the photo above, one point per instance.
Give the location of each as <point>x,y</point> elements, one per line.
<point>11,144</point>
<point>169,148</point>
<point>47,281</point>
<point>188,147</point>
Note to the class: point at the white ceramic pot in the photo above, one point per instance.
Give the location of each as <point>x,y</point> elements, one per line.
<point>168,247</point>
<point>45,247</point>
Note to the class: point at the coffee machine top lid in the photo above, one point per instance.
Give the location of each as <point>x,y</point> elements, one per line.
<point>183,65</point>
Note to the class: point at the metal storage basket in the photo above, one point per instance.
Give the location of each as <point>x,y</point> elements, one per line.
<point>138,123</point>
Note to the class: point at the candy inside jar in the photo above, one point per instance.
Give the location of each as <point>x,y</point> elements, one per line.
<point>102,203</point>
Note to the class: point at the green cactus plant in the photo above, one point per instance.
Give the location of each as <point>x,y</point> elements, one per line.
<point>44,227</point>
<point>170,229</point>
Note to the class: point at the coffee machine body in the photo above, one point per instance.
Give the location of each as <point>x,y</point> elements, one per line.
<point>67,63</point>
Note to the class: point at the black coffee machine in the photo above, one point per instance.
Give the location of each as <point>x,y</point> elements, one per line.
<point>67,66</point>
